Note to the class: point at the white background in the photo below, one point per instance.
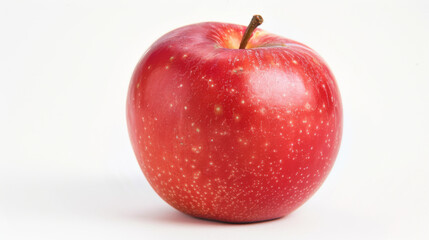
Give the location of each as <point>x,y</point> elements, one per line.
<point>67,170</point>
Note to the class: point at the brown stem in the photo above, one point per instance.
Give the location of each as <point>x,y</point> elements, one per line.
<point>254,23</point>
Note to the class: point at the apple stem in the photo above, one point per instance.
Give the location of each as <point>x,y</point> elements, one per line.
<point>254,23</point>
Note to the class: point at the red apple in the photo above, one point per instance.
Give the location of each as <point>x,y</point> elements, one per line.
<point>229,134</point>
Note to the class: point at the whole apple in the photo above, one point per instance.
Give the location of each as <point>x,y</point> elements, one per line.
<point>230,133</point>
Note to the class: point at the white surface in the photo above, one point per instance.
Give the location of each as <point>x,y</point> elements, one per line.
<point>67,170</point>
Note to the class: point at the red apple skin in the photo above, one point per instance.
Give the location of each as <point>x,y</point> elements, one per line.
<point>233,135</point>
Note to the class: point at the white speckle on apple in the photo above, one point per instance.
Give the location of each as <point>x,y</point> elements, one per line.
<point>197,174</point>
<point>218,109</point>
<point>196,149</point>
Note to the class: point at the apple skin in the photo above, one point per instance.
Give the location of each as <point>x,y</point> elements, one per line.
<point>233,135</point>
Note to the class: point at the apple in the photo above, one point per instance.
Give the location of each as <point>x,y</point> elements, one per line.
<point>233,133</point>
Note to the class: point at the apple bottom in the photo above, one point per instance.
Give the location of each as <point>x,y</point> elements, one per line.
<point>232,220</point>
<point>250,209</point>
<point>244,222</point>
